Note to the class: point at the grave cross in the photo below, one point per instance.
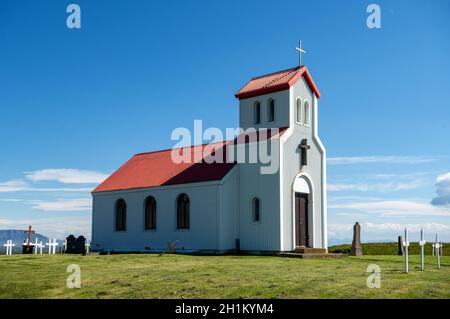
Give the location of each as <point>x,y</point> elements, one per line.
<point>9,245</point>
<point>87,246</point>
<point>422,243</point>
<point>35,246</point>
<point>437,246</point>
<point>52,246</point>
<point>40,247</point>
<point>406,244</point>
<point>30,232</point>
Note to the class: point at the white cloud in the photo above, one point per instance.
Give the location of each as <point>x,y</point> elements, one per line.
<point>380,160</point>
<point>380,187</point>
<point>394,227</point>
<point>66,205</point>
<point>66,175</point>
<point>12,186</point>
<point>442,190</point>
<point>394,207</point>
<point>377,231</point>
<point>23,186</point>
<point>340,230</point>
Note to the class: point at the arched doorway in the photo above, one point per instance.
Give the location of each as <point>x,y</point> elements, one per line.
<point>302,211</point>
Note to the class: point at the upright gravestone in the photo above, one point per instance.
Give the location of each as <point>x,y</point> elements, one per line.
<point>76,245</point>
<point>400,246</point>
<point>70,244</point>
<point>406,244</point>
<point>356,243</point>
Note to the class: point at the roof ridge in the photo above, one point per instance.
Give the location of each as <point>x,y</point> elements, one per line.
<point>223,142</point>
<point>179,148</point>
<point>273,73</point>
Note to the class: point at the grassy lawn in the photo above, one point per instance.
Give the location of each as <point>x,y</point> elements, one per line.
<point>180,276</point>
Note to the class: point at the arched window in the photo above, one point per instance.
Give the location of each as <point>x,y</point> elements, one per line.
<point>121,215</point>
<point>257,113</point>
<point>150,213</point>
<point>183,212</point>
<point>270,110</point>
<point>306,119</point>
<point>298,110</point>
<point>256,208</point>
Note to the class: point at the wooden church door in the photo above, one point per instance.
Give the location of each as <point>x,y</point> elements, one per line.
<point>301,220</point>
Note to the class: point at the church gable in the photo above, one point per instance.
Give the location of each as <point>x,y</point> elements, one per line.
<point>277,81</point>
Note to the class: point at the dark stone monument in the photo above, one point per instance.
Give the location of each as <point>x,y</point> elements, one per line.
<point>75,245</point>
<point>400,246</point>
<point>27,248</point>
<point>356,243</point>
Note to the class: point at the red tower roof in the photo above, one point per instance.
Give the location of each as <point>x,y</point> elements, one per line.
<point>278,81</point>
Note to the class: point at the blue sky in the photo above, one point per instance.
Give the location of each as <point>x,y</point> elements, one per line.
<point>75,104</point>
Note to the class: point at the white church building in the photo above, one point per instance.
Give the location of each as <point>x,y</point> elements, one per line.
<point>220,207</point>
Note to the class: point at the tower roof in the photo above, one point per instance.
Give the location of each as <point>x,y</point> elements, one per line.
<point>278,81</point>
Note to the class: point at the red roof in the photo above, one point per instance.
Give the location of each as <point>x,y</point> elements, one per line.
<point>158,169</point>
<point>275,82</point>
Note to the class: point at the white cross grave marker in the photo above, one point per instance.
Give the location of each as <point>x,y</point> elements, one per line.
<point>432,249</point>
<point>88,246</point>
<point>40,245</point>
<point>406,244</point>
<point>422,243</point>
<point>437,246</point>
<point>9,246</point>
<point>35,246</point>
<point>52,246</point>
<point>65,246</point>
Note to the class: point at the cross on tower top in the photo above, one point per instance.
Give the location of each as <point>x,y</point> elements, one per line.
<point>300,51</point>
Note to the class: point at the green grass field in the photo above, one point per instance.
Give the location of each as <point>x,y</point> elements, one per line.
<point>181,276</point>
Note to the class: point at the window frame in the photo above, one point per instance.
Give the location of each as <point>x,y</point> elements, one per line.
<point>147,225</point>
<point>256,205</point>
<point>306,113</point>
<point>257,113</point>
<point>271,110</point>
<point>298,111</point>
<point>184,224</point>
<point>120,223</point>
